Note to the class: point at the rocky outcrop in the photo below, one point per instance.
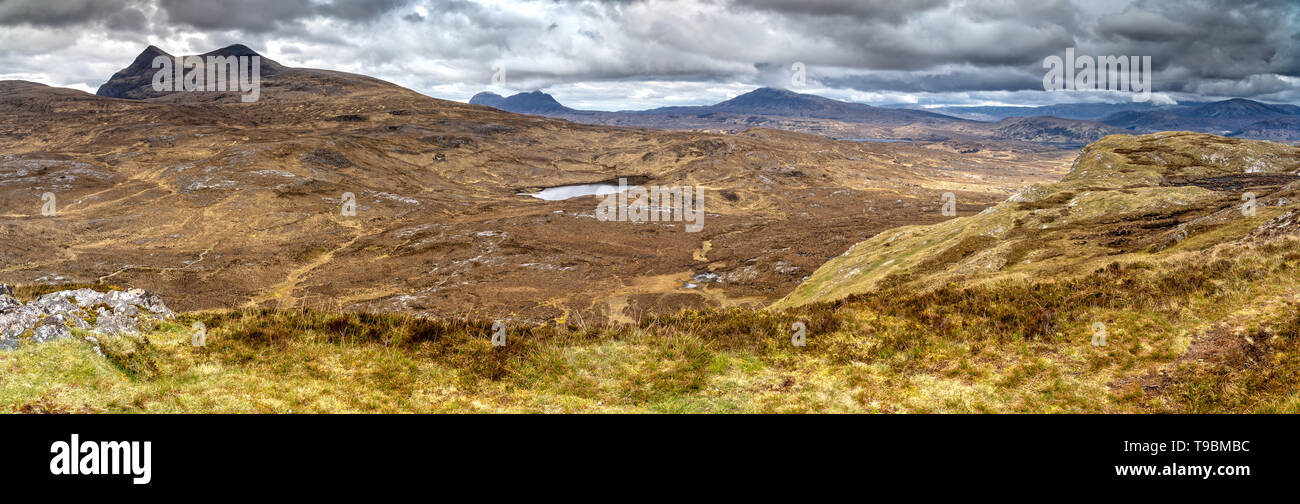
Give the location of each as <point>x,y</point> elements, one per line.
<point>54,315</point>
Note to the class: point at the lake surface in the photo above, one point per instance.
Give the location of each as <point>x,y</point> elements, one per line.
<point>573,191</point>
<point>882,140</point>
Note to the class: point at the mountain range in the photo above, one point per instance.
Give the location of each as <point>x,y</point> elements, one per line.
<point>815,114</point>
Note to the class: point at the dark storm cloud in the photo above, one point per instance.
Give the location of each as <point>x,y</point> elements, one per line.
<point>359,10</point>
<point>262,16</point>
<point>1198,45</point>
<point>888,10</point>
<point>56,13</point>
<point>245,15</point>
<point>1243,48</point>
<point>989,79</point>
<point>129,19</point>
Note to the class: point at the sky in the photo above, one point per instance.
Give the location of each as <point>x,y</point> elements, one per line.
<point>638,54</point>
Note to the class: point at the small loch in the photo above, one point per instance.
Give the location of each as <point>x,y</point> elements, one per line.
<point>564,192</point>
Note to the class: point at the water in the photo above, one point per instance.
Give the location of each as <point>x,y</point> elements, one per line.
<point>573,191</point>
<point>882,140</point>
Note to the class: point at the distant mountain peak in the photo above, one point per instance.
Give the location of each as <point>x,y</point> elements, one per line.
<point>770,96</point>
<point>531,102</point>
<point>233,50</point>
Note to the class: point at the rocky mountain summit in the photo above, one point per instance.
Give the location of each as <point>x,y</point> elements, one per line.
<point>53,316</point>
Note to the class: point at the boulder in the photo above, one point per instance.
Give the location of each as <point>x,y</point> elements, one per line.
<point>111,323</point>
<point>50,329</point>
<point>53,315</point>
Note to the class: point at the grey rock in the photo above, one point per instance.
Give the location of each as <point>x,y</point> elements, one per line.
<point>7,301</point>
<point>111,323</point>
<point>51,316</point>
<point>50,329</point>
<point>6,290</point>
<point>17,320</point>
<point>51,305</point>
<point>152,302</point>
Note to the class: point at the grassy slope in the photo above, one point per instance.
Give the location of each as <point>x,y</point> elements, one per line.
<point>990,313</point>
<point>1126,198</point>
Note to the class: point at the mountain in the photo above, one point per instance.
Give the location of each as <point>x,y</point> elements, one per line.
<point>762,107</point>
<point>535,102</point>
<point>806,113</point>
<point>780,102</point>
<point>759,102</point>
<point>1282,129</point>
<point>136,80</point>
<point>277,81</point>
<point>1222,117</point>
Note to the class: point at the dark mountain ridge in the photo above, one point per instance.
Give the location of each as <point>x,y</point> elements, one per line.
<point>762,101</point>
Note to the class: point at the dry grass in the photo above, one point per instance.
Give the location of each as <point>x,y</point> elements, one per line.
<point>1215,332</point>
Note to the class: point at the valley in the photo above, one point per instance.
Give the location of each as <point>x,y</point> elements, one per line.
<point>216,203</point>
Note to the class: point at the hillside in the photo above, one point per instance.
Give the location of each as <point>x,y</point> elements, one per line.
<point>1127,198</point>
<point>1053,131</point>
<point>1227,117</point>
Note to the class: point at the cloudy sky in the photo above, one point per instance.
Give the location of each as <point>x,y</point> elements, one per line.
<point>635,54</point>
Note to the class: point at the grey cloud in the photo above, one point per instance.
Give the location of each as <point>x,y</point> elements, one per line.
<point>359,10</point>
<point>888,10</point>
<point>989,79</point>
<point>129,19</point>
<point>929,47</point>
<point>262,16</point>
<point>55,13</point>
<point>244,15</point>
